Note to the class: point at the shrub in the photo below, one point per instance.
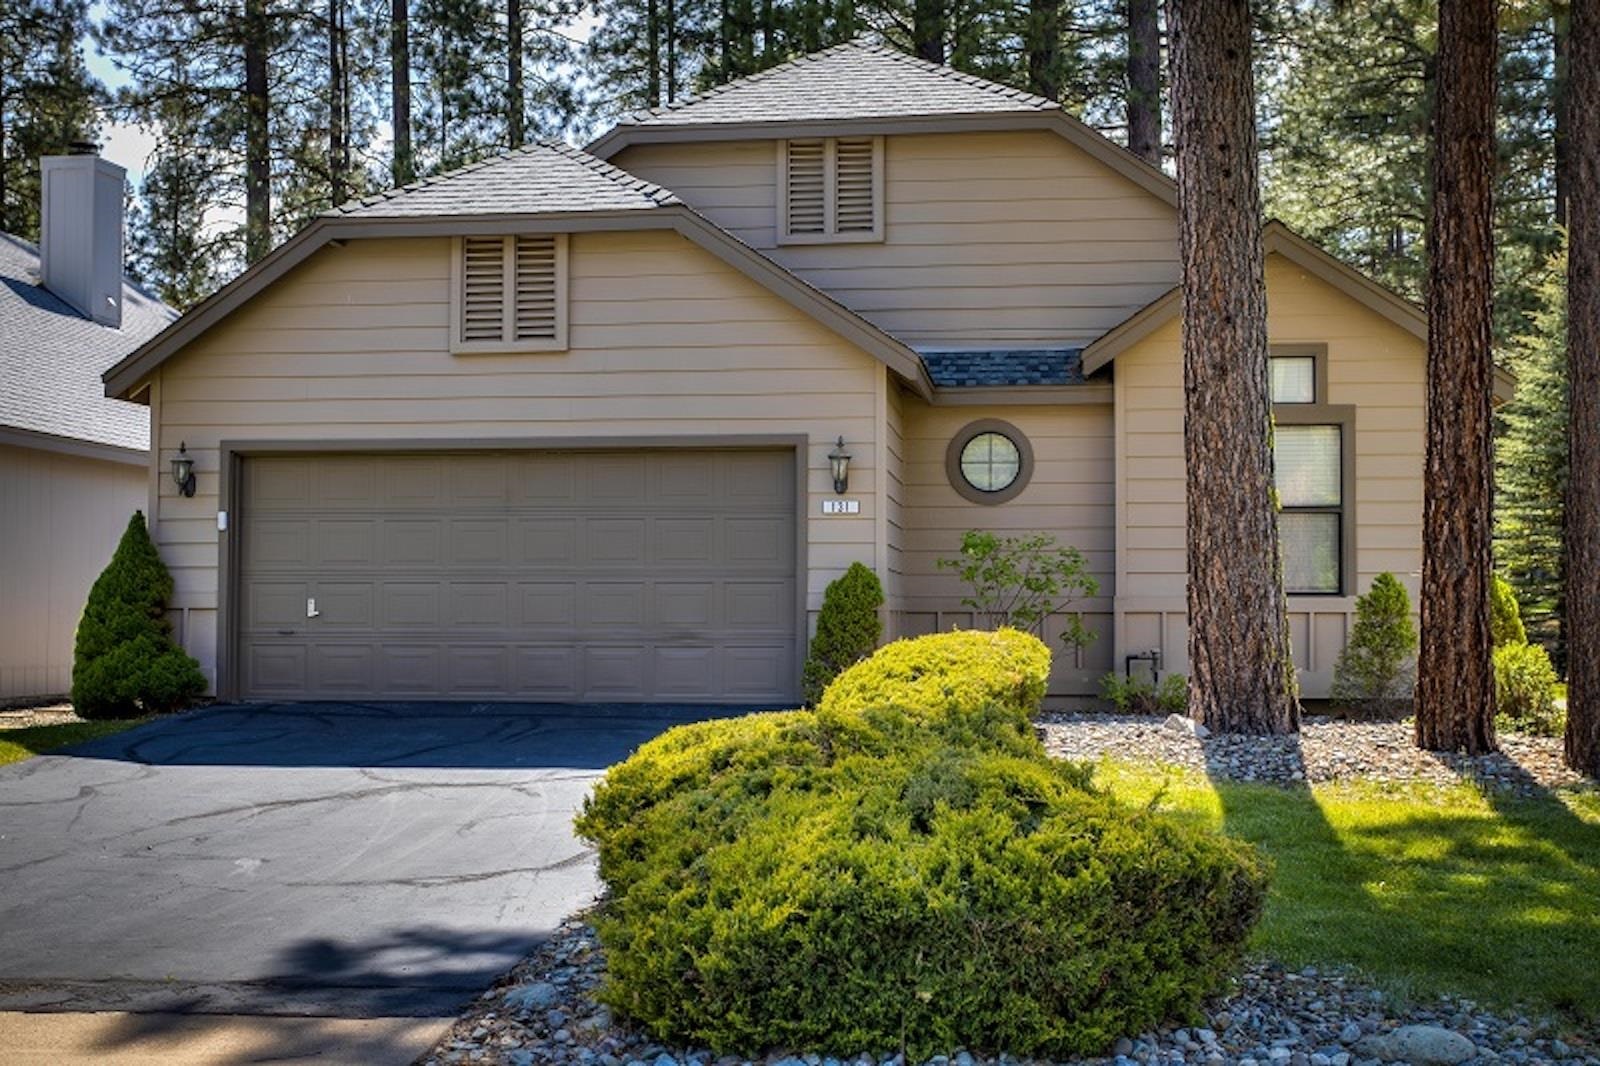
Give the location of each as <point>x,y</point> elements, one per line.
<point>948,678</point>
<point>1374,673</point>
<point>1505,616</point>
<point>1021,582</point>
<point>1136,695</point>
<point>931,898</point>
<point>125,663</point>
<point>1525,689</point>
<point>848,628</point>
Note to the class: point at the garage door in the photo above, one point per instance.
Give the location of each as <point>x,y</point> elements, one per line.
<point>593,576</point>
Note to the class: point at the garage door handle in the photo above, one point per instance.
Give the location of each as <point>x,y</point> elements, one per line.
<point>311,608</point>
<point>286,632</point>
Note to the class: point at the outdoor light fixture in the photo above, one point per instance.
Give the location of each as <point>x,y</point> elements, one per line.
<point>183,470</point>
<point>839,460</point>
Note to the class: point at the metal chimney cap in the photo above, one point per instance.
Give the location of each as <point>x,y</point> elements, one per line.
<point>83,148</point>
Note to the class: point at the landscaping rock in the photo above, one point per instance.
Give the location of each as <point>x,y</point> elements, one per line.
<point>1420,1045</point>
<point>1179,723</point>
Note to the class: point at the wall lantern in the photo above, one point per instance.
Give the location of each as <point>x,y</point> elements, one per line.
<point>183,470</point>
<point>839,460</point>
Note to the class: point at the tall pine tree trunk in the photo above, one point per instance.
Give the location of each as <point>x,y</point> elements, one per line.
<point>1561,33</point>
<point>1241,677</point>
<point>338,105</point>
<point>1144,80</point>
<point>403,166</point>
<point>1455,690</point>
<point>1042,45</point>
<point>652,74</point>
<point>516,106</point>
<point>257,145</point>
<point>1583,368</point>
<point>927,29</point>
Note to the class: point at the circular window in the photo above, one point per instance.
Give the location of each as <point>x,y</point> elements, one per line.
<point>989,461</point>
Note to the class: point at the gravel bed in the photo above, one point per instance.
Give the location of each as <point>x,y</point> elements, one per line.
<point>1326,749</point>
<point>26,717</point>
<point>544,1012</point>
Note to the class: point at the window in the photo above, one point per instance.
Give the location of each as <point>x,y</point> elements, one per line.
<point>1294,378</point>
<point>1309,465</point>
<point>832,189</point>
<point>989,461</point>
<point>510,294</point>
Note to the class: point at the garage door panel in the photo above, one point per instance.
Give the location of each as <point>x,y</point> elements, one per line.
<point>520,575</point>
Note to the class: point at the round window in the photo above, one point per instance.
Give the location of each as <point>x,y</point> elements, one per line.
<point>989,461</point>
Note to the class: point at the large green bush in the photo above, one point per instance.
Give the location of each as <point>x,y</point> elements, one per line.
<point>869,876</point>
<point>125,662</point>
<point>848,628</point>
<point>1525,690</point>
<point>1375,672</point>
<point>1505,615</point>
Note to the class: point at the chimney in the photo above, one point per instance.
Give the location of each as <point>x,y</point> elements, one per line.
<point>80,232</point>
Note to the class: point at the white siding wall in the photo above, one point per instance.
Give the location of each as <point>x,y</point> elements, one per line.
<point>665,341</point>
<point>991,239</point>
<point>60,519</point>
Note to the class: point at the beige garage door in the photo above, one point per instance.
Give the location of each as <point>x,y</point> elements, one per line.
<point>629,576</point>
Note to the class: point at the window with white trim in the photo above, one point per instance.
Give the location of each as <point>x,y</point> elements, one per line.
<point>1308,463</point>
<point>509,294</point>
<point>1294,378</point>
<point>831,189</point>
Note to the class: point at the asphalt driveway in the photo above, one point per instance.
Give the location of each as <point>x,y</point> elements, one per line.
<point>332,860</point>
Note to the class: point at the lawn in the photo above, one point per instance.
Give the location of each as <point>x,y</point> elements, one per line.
<point>1425,890</point>
<point>25,743</point>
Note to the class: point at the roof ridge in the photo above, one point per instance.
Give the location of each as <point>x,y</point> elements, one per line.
<point>945,70</point>
<point>637,117</point>
<point>632,182</point>
<point>395,191</point>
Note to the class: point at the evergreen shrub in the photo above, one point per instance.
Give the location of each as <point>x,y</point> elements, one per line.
<point>848,628</point>
<point>1375,673</point>
<point>1525,690</point>
<point>1505,615</point>
<point>124,661</point>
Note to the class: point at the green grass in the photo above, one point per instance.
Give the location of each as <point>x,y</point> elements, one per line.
<point>1425,890</point>
<point>19,744</point>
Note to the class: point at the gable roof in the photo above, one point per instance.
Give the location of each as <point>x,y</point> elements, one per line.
<point>1279,239</point>
<point>541,188</point>
<point>865,87</point>
<point>51,358</point>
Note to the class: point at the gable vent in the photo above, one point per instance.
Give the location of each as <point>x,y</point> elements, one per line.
<point>807,187</point>
<point>511,294</point>
<point>832,190</point>
<point>856,198</point>
<point>483,271</point>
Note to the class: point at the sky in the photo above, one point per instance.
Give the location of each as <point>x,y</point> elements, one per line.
<point>126,145</point>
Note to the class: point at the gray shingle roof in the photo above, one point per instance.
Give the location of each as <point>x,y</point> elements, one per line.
<point>539,178</point>
<point>1001,367</point>
<point>854,80</point>
<point>51,357</point>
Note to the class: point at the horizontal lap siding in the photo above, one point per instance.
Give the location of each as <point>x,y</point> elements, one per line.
<point>1374,366</point>
<point>1070,495</point>
<point>990,238</point>
<point>60,519</point>
<point>665,341</point>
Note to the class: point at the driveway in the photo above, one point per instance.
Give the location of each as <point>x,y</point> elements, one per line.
<point>353,861</point>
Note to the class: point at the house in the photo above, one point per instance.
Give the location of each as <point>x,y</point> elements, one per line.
<point>74,464</point>
<point>562,425</point>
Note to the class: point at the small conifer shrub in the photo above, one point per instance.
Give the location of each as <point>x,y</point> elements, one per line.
<point>1375,673</point>
<point>125,662</point>
<point>1505,615</point>
<point>848,629</point>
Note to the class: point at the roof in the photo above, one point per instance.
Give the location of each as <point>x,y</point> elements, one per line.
<point>52,356</point>
<point>1004,367</point>
<point>538,178</point>
<point>857,79</point>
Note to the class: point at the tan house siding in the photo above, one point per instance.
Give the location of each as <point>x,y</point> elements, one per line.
<point>1374,366</point>
<point>665,341</point>
<point>894,435</point>
<point>60,519</point>
<point>991,237</point>
<point>1068,495</point>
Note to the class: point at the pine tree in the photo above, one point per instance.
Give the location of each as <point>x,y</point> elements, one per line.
<point>1241,677</point>
<point>1375,671</point>
<point>1531,468</point>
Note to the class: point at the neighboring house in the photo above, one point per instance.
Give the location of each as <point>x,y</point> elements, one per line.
<point>558,426</point>
<point>74,465</point>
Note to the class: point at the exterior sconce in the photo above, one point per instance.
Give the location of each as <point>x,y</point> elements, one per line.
<point>839,460</point>
<point>183,470</point>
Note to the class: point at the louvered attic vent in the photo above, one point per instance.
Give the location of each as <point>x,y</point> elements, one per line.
<point>832,190</point>
<point>510,294</point>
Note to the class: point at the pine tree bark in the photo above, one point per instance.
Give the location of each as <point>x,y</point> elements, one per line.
<point>1583,368</point>
<point>1560,34</point>
<point>927,29</point>
<point>257,146</point>
<point>516,105</point>
<point>1455,689</point>
<point>1144,80</point>
<point>1241,676</point>
<point>403,167</point>
<point>338,105</point>
<point>1042,45</point>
